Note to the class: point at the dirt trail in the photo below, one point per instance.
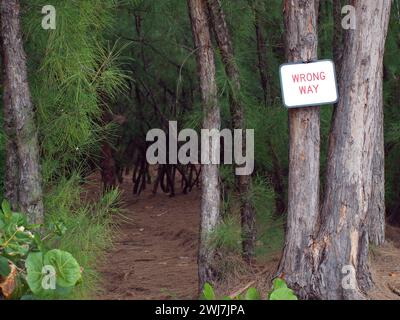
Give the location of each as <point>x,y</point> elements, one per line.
<point>154,256</point>
<point>155,250</point>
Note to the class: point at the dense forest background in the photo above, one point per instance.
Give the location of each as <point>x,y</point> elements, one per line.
<point>114,69</point>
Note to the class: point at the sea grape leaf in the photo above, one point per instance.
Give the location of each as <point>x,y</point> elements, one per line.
<point>68,271</point>
<point>34,267</point>
<point>4,267</point>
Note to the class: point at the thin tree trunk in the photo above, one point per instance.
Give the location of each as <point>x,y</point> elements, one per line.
<point>262,54</point>
<point>304,149</point>
<point>277,183</point>
<point>210,202</point>
<point>242,182</point>
<point>20,108</point>
<point>342,241</point>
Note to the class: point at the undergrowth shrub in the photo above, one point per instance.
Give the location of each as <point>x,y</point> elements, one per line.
<point>279,291</point>
<point>227,237</point>
<point>88,225</point>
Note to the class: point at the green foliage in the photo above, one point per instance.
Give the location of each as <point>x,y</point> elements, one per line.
<point>280,291</point>
<point>23,246</point>
<point>252,294</point>
<point>227,236</point>
<point>4,267</point>
<point>78,72</point>
<point>83,227</point>
<point>208,292</point>
<point>74,74</point>
<point>392,113</point>
<point>67,272</point>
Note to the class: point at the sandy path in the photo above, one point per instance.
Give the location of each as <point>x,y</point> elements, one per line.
<point>154,256</point>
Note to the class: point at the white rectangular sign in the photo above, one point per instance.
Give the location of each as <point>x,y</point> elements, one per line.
<point>308,84</point>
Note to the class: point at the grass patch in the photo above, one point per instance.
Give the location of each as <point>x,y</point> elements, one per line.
<point>227,237</point>
<point>88,229</point>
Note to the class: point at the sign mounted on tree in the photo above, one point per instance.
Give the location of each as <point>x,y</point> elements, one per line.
<point>308,84</point>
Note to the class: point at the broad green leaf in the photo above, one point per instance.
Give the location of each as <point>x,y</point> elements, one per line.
<point>279,283</point>
<point>282,294</point>
<point>34,267</point>
<point>252,294</point>
<point>68,271</point>
<point>208,292</point>
<point>4,267</point>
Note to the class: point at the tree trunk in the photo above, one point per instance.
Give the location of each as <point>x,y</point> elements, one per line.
<point>11,171</point>
<point>262,53</point>
<point>210,201</point>
<point>242,182</point>
<point>277,183</point>
<point>304,149</point>
<point>341,244</point>
<point>21,111</point>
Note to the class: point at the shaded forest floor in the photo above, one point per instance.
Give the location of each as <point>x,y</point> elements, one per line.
<point>155,252</point>
<point>155,248</point>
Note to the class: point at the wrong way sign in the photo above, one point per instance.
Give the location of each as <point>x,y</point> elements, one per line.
<point>308,84</point>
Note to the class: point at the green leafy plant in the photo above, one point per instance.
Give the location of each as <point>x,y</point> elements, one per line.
<point>280,291</point>
<point>26,263</point>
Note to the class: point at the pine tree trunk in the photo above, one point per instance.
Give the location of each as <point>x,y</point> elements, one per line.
<point>343,236</point>
<point>242,182</point>
<point>262,54</point>
<point>21,111</point>
<point>304,149</point>
<point>210,201</point>
<point>11,171</point>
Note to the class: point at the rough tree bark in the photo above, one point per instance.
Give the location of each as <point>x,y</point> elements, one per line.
<point>20,111</point>
<point>242,182</point>
<point>337,39</point>
<point>304,149</point>
<point>334,262</point>
<point>210,201</point>
<point>357,124</point>
<point>11,171</point>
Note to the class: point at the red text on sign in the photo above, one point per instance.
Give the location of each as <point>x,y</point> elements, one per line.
<point>308,77</point>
